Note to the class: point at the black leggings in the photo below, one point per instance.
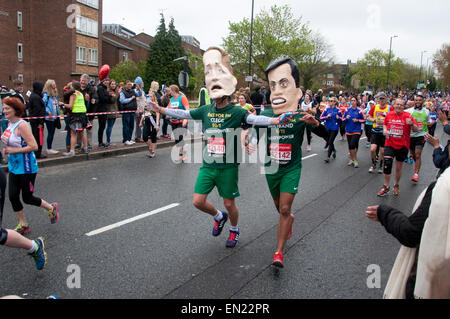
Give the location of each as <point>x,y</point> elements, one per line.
<point>149,130</point>
<point>353,141</point>
<point>24,183</point>
<point>308,135</point>
<point>178,135</point>
<point>331,137</point>
<point>102,119</point>
<point>342,129</point>
<point>3,233</point>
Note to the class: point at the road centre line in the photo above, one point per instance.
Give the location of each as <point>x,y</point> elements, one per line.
<point>130,220</point>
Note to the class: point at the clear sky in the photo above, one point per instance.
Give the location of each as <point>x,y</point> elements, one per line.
<point>352,27</point>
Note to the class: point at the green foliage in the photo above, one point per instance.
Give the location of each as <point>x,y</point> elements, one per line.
<point>127,70</point>
<point>373,69</point>
<point>275,33</point>
<point>441,61</point>
<point>166,48</point>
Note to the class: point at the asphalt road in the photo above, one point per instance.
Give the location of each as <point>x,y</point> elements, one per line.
<point>170,254</point>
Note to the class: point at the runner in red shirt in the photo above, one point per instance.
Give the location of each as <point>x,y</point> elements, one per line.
<point>397,129</point>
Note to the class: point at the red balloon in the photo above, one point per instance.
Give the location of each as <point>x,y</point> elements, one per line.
<point>104,72</point>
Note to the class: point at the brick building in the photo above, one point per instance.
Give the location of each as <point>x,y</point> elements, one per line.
<point>120,44</point>
<point>49,39</point>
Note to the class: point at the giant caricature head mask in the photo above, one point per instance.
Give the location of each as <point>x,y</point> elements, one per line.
<point>219,77</point>
<point>285,92</point>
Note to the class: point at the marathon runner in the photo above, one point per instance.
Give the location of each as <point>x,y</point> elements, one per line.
<point>397,129</point>
<point>283,145</point>
<point>377,115</point>
<point>222,122</point>
<point>422,116</point>
<point>353,119</point>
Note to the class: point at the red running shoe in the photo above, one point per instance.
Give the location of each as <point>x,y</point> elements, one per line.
<point>278,260</point>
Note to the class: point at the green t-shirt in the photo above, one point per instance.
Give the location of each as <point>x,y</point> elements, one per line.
<point>284,144</point>
<point>222,134</point>
<point>422,118</point>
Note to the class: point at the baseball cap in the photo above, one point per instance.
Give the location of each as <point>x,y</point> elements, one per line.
<point>381,95</point>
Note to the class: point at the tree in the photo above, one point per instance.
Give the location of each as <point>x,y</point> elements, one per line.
<point>275,33</point>
<point>441,61</point>
<point>372,69</point>
<point>127,70</point>
<point>166,48</point>
<point>316,63</point>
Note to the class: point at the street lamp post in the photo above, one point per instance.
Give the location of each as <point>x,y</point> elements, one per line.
<point>421,60</point>
<point>250,74</point>
<point>389,62</point>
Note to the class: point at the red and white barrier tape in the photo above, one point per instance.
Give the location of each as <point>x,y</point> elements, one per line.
<point>63,116</point>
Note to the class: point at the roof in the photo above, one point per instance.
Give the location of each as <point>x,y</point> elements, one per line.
<point>116,44</point>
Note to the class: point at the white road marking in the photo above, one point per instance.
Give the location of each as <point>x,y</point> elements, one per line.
<point>130,220</point>
<point>306,157</point>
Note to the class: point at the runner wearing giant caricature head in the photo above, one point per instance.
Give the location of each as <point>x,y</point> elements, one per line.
<point>283,143</point>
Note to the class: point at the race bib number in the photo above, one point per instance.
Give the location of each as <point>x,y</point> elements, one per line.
<point>5,136</point>
<point>396,131</point>
<point>281,152</point>
<point>420,126</point>
<point>216,146</point>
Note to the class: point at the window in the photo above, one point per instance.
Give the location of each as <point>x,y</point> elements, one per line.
<point>20,52</point>
<point>20,77</point>
<point>330,83</point>
<point>87,26</point>
<point>81,55</point>
<point>125,56</point>
<point>90,3</point>
<point>93,57</point>
<point>330,75</point>
<point>19,21</point>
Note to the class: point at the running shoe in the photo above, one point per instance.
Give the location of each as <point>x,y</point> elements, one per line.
<point>54,213</point>
<point>334,154</point>
<point>40,255</point>
<point>327,160</point>
<point>355,164</point>
<point>52,152</point>
<point>411,160</point>
<point>23,229</point>
<point>232,239</point>
<point>290,230</point>
<point>396,190</point>
<point>69,154</point>
<point>350,163</point>
<point>380,170</point>
<point>218,225</point>
<point>406,160</point>
<point>371,169</point>
<point>383,191</point>
<point>278,260</point>
<point>308,148</point>
<point>415,178</point>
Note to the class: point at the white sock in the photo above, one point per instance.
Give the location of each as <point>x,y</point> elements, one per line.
<point>234,228</point>
<point>218,216</point>
<point>33,248</point>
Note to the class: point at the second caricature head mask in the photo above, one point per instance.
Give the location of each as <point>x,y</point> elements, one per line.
<point>219,77</point>
<point>284,84</point>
